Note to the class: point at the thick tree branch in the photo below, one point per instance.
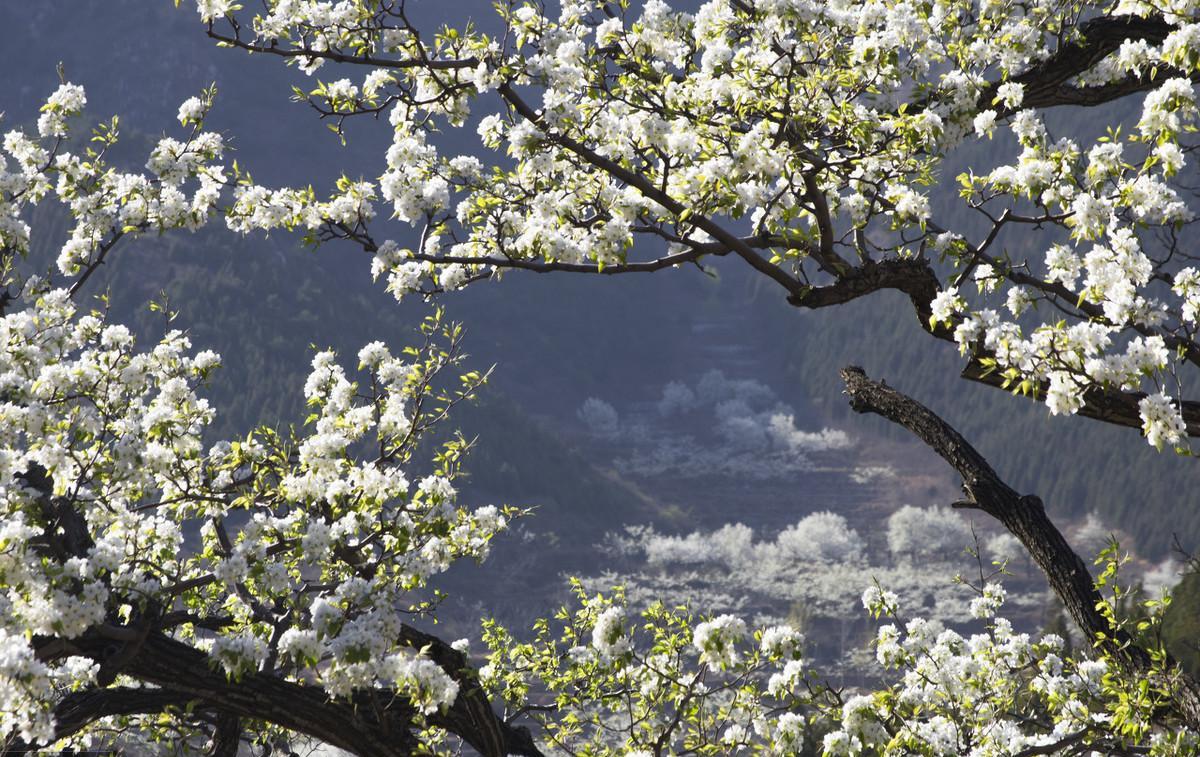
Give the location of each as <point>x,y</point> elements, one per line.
<point>79,709</point>
<point>1046,85</point>
<point>472,712</point>
<point>1110,406</point>
<point>916,278</point>
<point>371,723</point>
<point>227,736</point>
<point>1025,518</point>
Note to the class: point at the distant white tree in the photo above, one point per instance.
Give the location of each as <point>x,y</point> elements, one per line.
<point>599,416</point>
<point>731,545</point>
<point>676,398</point>
<point>781,427</point>
<point>1092,536</point>
<point>927,532</point>
<point>823,537</point>
<point>713,386</point>
<point>1003,546</point>
<point>1162,577</point>
<point>740,427</point>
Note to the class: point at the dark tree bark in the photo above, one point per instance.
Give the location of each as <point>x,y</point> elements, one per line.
<point>1047,84</point>
<point>371,723</point>
<point>917,279</point>
<point>227,735</point>
<point>1025,518</point>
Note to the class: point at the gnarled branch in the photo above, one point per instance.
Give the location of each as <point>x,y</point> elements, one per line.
<point>1025,518</point>
<point>1046,85</point>
<point>370,723</point>
<point>916,278</point>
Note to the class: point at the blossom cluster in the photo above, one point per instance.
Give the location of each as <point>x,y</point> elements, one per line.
<point>103,472</point>
<point>625,702</point>
<point>180,188</point>
<point>1124,327</point>
<point>682,681</point>
<point>989,694</point>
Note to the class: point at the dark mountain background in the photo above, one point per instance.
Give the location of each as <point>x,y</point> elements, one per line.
<point>556,340</point>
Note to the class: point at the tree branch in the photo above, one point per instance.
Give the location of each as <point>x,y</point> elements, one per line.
<point>916,278</point>
<point>364,59</point>
<point>1024,517</point>
<point>639,182</point>
<point>472,712</point>
<point>227,736</point>
<point>357,724</point>
<point>79,709</point>
<point>1046,84</point>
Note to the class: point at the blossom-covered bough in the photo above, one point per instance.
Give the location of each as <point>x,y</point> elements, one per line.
<point>798,137</point>
<point>155,590</point>
<point>179,592</point>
